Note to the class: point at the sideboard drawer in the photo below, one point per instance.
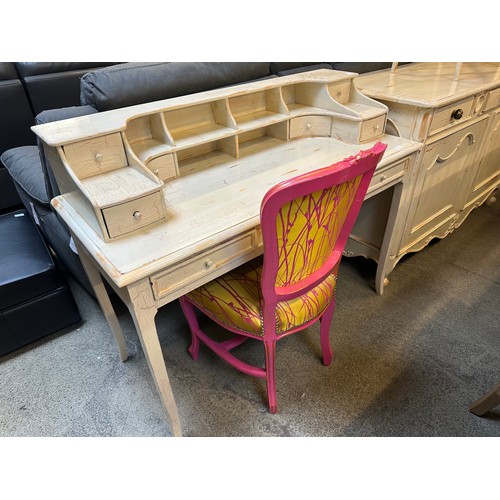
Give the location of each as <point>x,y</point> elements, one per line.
<point>132,215</point>
<point>310,126</point>
<point>206,263</point>
<point>448,116</point>
<point>493,99</point>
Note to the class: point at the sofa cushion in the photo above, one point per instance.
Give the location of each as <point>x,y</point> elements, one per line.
<point>16,117</point>
<point>290,68</point>
<point>52,85</point>
<point>7,71</point>
<point>26,69</point>
<point>361,67</point>
<point>135,83</point>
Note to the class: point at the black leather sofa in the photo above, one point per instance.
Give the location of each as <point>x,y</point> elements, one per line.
<point>35,299</point>
<point>102,89</point>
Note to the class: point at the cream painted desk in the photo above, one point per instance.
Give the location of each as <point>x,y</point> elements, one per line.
<point>175,223</point>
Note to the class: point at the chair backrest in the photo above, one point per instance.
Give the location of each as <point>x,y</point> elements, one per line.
<point>306,221</point>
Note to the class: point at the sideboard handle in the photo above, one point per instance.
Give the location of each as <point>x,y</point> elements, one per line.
<point>471,141</point>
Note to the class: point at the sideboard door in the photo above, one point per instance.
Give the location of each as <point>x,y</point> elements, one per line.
<point>488,172</point>
<point>443,183</point>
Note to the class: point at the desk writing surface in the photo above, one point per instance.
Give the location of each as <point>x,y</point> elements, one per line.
<point>213,200</point>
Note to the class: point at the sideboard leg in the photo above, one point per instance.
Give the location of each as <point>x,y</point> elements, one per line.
<point>486,402</point>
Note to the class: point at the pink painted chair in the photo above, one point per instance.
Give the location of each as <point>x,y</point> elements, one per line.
<point>305,224</point>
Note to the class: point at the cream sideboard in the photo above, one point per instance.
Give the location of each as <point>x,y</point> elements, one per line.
<point>453,110</point>
<point>165,196</point>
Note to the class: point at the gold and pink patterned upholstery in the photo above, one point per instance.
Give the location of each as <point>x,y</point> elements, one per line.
<point>307,230</point>
<point>235,301</point>
<point>305,224</point>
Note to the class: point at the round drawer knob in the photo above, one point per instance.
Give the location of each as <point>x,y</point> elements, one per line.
<point>457,114</point>
<point>308,125</point>
<point>208,263</point>
<point>98,157</point>
<point>137,215</point>
<point>383,178</point>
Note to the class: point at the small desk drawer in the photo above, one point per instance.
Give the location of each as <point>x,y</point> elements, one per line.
<point>96,156</point>
<point>340,91</point>
<point>448,116</point>
<point>387,175</point>
<point>371,129</point>
<point>132,215</point>
<point>310,126</point>
<point>191,270</point>
<point>163,166</point>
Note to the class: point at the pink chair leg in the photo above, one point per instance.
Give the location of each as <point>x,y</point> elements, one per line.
<point>270,348</point>
<point>324,333</point>
<point>189,313</point>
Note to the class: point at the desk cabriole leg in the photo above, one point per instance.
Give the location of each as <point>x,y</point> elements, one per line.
<point>102,297</point>
<point>384,264</point>
<point>143,309</point>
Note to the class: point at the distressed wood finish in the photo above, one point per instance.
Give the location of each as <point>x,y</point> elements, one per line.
<point>453,109</point>
<point>210,158</point>
<point>153,139</point>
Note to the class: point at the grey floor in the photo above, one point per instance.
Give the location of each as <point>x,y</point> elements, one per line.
<point>407,363</point>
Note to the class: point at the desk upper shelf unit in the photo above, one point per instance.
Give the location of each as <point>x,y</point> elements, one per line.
<point>116,161</point>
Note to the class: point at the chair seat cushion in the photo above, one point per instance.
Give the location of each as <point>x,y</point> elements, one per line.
<point>235,301</point>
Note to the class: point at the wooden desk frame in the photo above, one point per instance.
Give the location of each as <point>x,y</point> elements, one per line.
<point>202,202</point>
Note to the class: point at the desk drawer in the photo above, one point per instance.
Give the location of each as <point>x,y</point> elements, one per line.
<point>194,269</point>
<point>132,215</point>
<point>340,91</point>
<point>163,166</point>
<point>448,116</point>
<point>96,156</point>
<point>371,129</point>
<point>388,175</point>
<point>310,126</point>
